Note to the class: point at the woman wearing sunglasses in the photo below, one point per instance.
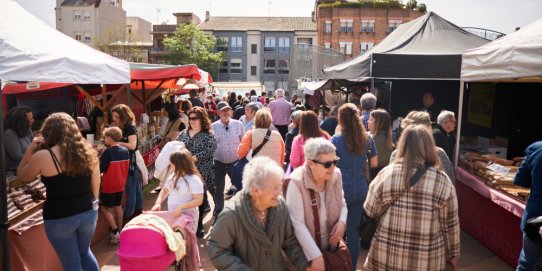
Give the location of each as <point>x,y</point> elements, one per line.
<point>201,142</point>
<point>355,147</point>
<point>317,176</point>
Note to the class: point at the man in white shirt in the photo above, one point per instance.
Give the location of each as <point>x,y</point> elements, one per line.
<point>248,118</point>
<point>228,133</point>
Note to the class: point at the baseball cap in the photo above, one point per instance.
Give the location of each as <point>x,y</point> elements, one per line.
<point>222,105</point>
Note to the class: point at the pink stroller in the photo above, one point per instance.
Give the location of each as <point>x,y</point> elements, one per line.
<point>143,247</point>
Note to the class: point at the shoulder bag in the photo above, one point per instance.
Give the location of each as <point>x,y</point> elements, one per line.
<point>237,170</point>
<point>368,225</point>
<point>337,259</point>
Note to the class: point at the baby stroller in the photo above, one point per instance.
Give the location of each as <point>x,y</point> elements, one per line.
<point>146,243</point>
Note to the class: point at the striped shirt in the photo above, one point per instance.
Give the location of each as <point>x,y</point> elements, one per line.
<point>228,138</point>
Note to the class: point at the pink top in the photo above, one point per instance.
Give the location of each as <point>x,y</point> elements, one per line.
<point>297,156</point>
<point>280,111</point>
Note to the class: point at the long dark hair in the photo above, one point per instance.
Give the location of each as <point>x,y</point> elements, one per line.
<point>183,165</point>
<point>202,116</point>
<point>383,125</point>
<point>17,120</point>
<point>172,111</point>
<point>352,129</point>
<point>309,126</point>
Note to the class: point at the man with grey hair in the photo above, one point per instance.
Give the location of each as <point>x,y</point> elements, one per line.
<point>280,111</point>
<point>368,104</point>
<point>442,132</point>
<point>254,230</point>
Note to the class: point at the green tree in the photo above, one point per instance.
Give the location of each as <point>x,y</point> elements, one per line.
<point>190,45</point>
<point>412,4</point>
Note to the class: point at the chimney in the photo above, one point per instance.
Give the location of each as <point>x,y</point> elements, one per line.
<point>313,16</point>
<point>207,15</point>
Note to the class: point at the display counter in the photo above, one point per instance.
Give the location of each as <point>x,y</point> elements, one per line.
<point>490,216</point>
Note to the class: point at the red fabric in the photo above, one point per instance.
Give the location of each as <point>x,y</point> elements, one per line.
<point>487,221</point>
<point>150,156</point>
<point>114,178</point>
<point>185,71</point>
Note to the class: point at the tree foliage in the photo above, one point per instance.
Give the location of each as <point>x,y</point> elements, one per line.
<point>190,45</point>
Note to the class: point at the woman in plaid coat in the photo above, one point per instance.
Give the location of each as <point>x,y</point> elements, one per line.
<point>419,225</point>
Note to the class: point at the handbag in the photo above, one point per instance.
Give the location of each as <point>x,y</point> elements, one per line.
<point>237,170</point>
<point>532,229</point>
<point>334,260</point>
<point>368,225</point>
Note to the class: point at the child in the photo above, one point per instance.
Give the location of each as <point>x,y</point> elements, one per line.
<point>114,163</point>
<point>183,185</point>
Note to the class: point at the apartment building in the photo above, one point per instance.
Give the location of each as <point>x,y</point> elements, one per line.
<point>139,28</point>
<point>86,20</point>
<point>353,30</point>
<point>258,48</point>
<point>158,51</point>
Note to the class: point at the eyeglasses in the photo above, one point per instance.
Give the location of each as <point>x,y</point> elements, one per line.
<point>327,164</point>
<point>193,118</point>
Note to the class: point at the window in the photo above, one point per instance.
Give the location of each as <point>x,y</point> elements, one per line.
<point>254,48</point>
<point>327,27</point>
<point>393,24</point>
<point>222,44</point>
<point>345,47</point>
<point>366,46</point>
<point>86,15</point>
<point>347,25</point>
<point>269,44</point>
<point>283,66</point>
<point>77,36</point>
<point>224,67</point>
<point>284,45</point>
<point>269,66</point>
<point>253,70</point>
<point>77,15</point>
<point>236,65</point>
<point>87,37</point>
<point>327,45</point>
<point>236,44</point>
<point>368,26</point>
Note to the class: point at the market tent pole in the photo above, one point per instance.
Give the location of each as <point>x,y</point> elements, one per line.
<point>459,121</point>
<point>3,192</point>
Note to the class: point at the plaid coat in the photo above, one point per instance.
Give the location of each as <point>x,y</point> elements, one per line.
<point>420,230</point>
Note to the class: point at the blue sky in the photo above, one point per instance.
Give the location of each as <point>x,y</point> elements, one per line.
<point>499,15</point>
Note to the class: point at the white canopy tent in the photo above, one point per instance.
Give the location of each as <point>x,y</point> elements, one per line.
<point>516,57</point>
<point>30,50</point>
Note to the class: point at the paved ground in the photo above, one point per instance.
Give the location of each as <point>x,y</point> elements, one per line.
<point>474,256</point>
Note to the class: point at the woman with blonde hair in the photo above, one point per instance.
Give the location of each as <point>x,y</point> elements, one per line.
<point>124,118</point>
<point>380,129</point>
<point>183,187</point>
<point>273,149</point>
<point>355,148</point>
<point>308,128</point>
<point>417,207</point>
<point>69,169</point>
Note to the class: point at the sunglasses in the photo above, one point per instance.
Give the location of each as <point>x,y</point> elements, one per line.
<point>193,118</point>
<point>329,163</point>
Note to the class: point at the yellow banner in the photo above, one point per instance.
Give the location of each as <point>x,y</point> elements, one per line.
<point>481,101</point>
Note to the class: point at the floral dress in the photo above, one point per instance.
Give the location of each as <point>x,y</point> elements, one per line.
<point>203,146</point>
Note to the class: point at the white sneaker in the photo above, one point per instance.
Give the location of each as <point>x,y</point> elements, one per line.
<point>114,238</point>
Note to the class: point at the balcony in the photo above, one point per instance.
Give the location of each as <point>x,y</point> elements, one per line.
<point>163,28</point>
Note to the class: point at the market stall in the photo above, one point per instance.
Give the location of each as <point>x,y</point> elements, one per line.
<point>56,58</point>
<point>500,86</point>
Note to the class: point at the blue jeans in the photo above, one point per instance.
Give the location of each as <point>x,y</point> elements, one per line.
<point>134,196</point>
<point>70,237</point>
<point>530,258</point>
<point>221,170</point>
<point>355,192</point>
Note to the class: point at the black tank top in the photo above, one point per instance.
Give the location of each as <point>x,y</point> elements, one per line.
<point>66,196</point>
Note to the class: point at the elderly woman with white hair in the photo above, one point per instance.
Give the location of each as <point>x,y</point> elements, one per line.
<point>319,181</point>
<point>254,228</point>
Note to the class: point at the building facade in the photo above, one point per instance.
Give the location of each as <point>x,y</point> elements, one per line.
<point>89,20</point>
<point>354,30</point>
<point>258,48</point>
<point>139,28</point>
<point>158,52</point>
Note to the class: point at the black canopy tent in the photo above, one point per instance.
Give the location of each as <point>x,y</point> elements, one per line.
<point>420,55</point>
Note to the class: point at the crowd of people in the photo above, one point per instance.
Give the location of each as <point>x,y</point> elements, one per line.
<point>304,190</point>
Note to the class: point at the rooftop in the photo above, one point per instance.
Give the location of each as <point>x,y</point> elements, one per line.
<point>258,23</point>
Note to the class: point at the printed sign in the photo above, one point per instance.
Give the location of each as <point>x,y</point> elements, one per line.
<point>481,101</point>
